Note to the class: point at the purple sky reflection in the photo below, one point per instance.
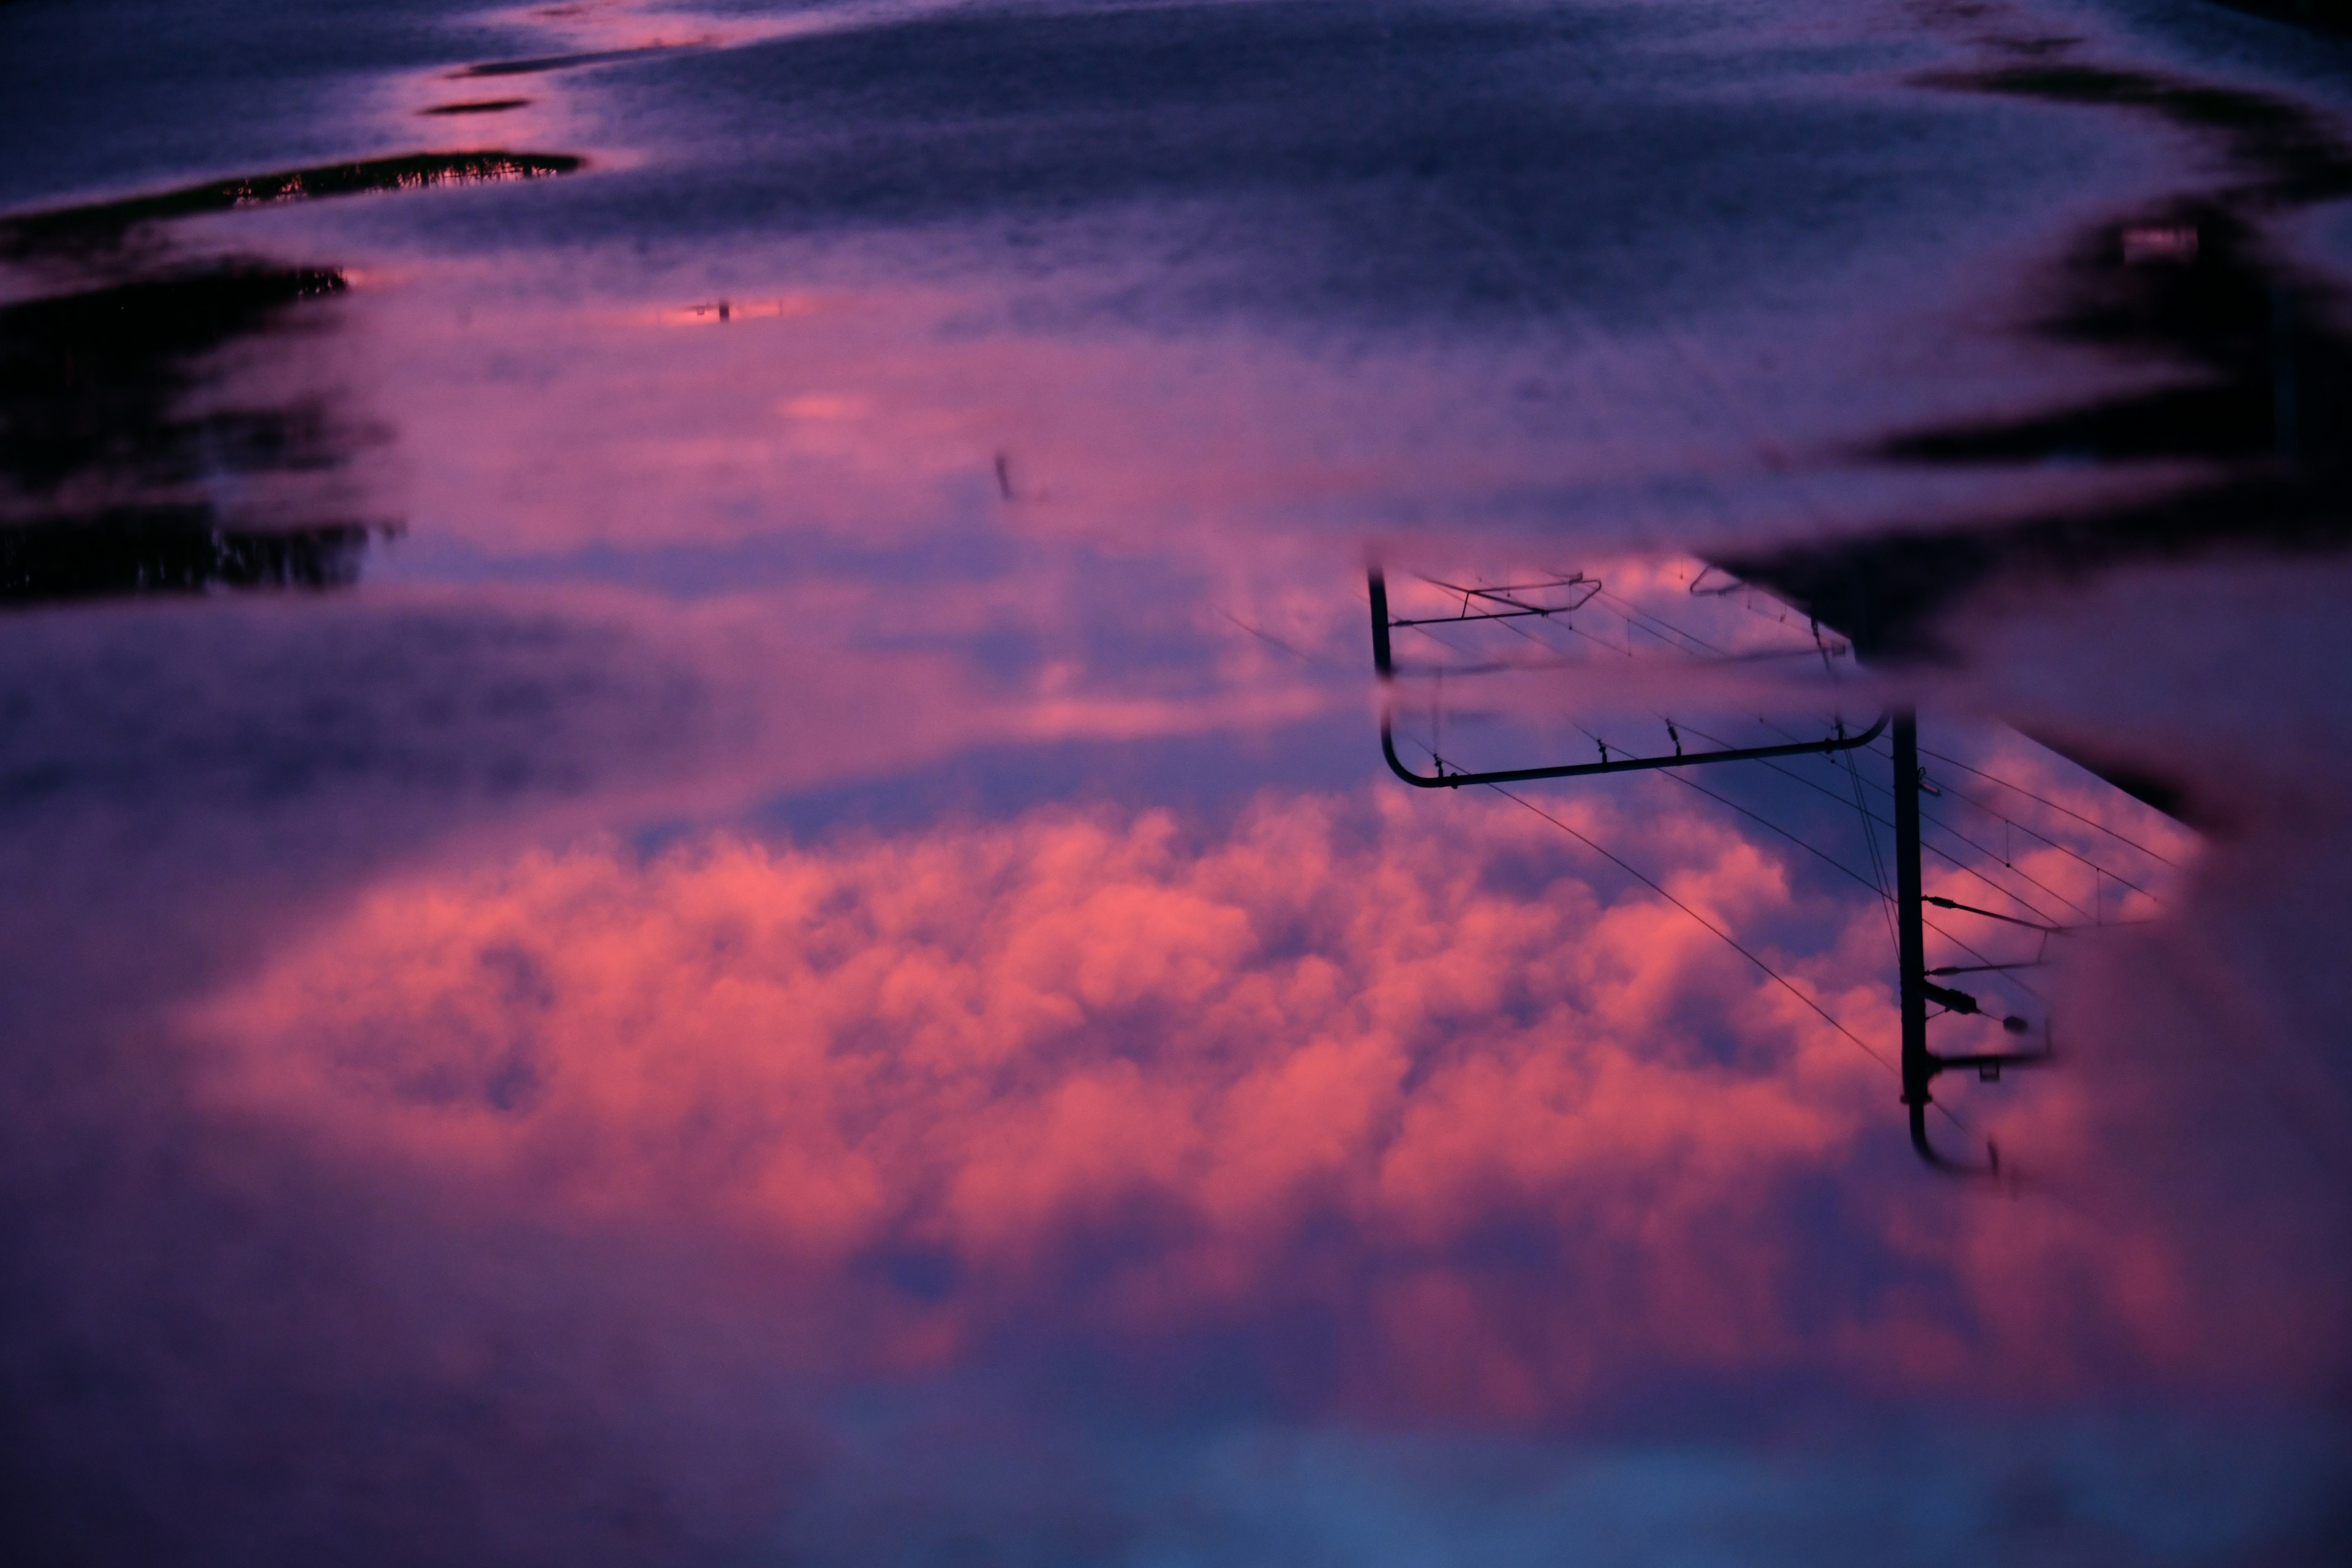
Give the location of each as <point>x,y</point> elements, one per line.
<point>817,962</point>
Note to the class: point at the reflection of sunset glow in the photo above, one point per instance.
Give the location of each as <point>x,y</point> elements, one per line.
<point>1508,1139</point>
<point>826,406</point>
<point>716,860</point>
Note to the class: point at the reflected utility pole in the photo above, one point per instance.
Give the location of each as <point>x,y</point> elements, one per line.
<point>1911,957</point>
<point>1916,984</point>
<point>1920,1065</point>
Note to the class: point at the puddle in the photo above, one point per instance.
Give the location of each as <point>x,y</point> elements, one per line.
<point>1129,783</point>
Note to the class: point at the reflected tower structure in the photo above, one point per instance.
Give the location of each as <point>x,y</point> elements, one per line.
<point>1643,657</point>
<point>2228,439</point>
<point>1914,988</point>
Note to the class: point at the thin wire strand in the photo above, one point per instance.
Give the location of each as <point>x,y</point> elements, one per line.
<point>1556,653</point>
<point>2095,868</point>
<point>1630,609</point>
<point>1959,793</point>
<point>2020,789</point>
<point>1932,819</point>
<point>1567,626</point>
<point>1878,885</point>
<point>2005,862</point>
<point>1877,865</point>
<point>1730,941</point>
<point>1934,849</point>
<point>1823,856</point>
<point>1931,925</point>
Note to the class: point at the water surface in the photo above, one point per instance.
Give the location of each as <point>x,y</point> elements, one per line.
<point>700,861</point>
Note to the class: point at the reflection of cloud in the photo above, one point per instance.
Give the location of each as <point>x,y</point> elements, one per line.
<point>824,406</point>
<point>217,1347</point>
<point>1341,1104</point>
<point>613,1202</point>
<point>177,773</point>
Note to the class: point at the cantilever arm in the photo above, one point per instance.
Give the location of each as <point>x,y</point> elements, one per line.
<point>1383,662</point>
<point>1620,766</point>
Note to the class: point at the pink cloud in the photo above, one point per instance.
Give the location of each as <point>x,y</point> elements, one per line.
<point>1396,1079</point>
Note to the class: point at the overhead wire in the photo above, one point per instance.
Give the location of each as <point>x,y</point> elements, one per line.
<point>2000,973</point>
<point>1962,795</point>
<point>1823,855</point>
<point>1937,850</point>
<point>2098,867</point>
<point>2054,807</point>
<point>1636,618</point>
<point>1514,626</point>
<point>1933,820</point>
<point>1887,900</point>
<point>2094,867</point>
<point>1728,939</point>
<point>1878,885</point>
<point>2087,821</point>
<point>1877,866</point>
<point>2033,832</point>
<point>1565,625</point>
<point>1631,610</point>
<point>1941,931</point>
<point>1759,819</point>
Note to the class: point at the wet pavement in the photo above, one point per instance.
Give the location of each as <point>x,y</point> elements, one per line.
<point>702,861</point>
